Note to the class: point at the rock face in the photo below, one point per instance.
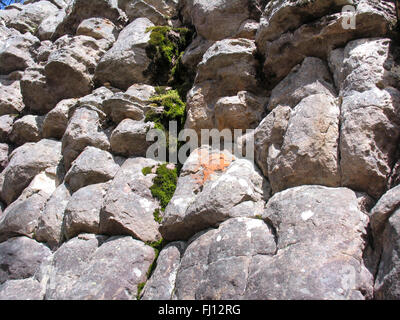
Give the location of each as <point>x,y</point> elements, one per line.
<point>124,64</point>
<point>287,186</point>
<point>227,263</point>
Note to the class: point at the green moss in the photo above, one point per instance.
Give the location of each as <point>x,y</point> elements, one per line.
<point>157,217</point>
<point>140,288</point>
<point>147,170</point>
<point>165,47</point>
<point>164,185</point>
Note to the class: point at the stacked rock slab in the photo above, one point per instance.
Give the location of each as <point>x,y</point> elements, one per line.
<point>314,214</point>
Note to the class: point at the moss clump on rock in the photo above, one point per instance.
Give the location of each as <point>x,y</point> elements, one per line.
<point>164,185</point>
<point>173,109</point>
<point>165,48</point>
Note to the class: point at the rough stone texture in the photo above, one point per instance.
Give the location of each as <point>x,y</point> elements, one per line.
<point>98,28</point>
<point>90,268</point>
<point>124,64</point>
<point>370,126</point>
<point>82,214</point>
<point>228,15</point>
<point>227,68</point>
<point>21,258</point>
<point>317,38</point>
<point>213,187</point>
<point>132,104</point>
<point>27,129</point>
<point>4,150</point>
<point>76,59</point>
<point>56,121</point>
<point>162,282</point>
<point>92,166</point>
<point>25,289</point>
<point>129,138</point>
<point>31,15</point>
<point>25,163</point>
<point>49,25</point>
<point>10,97</point>
<point>16,53</point>
<point>84,129</point>
<point>80,10</point>
<point>6,123</point>
<point>49,228</point>
<point>129,206</point>
<point>385,222</point>
<point>316,252</point>
<point>157,11</point>
<point>22,216</point>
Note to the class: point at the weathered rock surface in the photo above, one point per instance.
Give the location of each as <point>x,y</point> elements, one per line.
<point>25,163</point>
<point>157,11</point>
<point>244,259</point>
<point>91,167</point>
<point>10,97</point>
<point>84,129</point>
<point>27,129</point>
<point>97,268</point>
<point>129,205</point>
<point>22,216</point>
<point>213,187</point>
<point>6,123</point>
<point>21,258</point>
<point>162,282</point>
<point>129,138</point>
<point>56,121</point>
<point>123,65</point>
<point>82,214</point>
<point>49,228</point>
<point>25,289</point>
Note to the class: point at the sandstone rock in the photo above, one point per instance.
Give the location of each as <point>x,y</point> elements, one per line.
<point>132,104</point>
<point>97,99</point>
<point>87,268</point>
<point>38,95</point>
<point>309,153</point>
<point>49,228</point>
<point>56,121</point>
<point>98,28</point>
<point>248,29</point>
<point>29,19</point>
<point>162,282</point>
<point>124,64</point>
<point>4,150</point>
<point>27,129</point>
<point>227,68</point>
<point>129,205</point>
<point>217,261</point>
<point>310,77</point>
<point>244,259</point>
<point>243,111</point>
<point>16,53</point>
<point>370,126</point>
<point>22,216</point>
<point>283,15</point>
<point>80,10</point>
<point>76,59</point>
<point>129,138</point>
<point>49,25</point>
<point>82,214</point>
<point>84,129</point>
<point>21,258</point>
<point>44,51</point>
<point>228,15</point>
<point>213,187</point>
<point>26,289</point>
<point>25,163</point>
<point>156,11</point>
<point>92,166</point>
<point>6,123</point>
<point>9,14</point>
<point>195,51</point>
<point>317,38</point>
<point>385,223</point>
<point>10,97</point>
